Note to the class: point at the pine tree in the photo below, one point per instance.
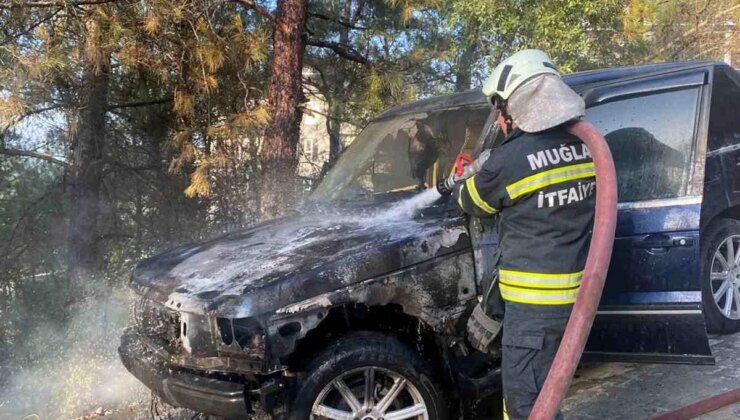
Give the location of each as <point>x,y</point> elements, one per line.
<point>284,97</point>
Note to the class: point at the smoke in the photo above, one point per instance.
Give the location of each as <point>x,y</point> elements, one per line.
<point>71,368</point>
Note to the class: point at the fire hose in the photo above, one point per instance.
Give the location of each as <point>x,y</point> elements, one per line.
<point>594,274</point>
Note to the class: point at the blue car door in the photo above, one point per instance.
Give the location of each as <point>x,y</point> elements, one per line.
<point>651,306</point>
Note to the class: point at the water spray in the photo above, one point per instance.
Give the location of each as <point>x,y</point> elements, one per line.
<point>465,167</point>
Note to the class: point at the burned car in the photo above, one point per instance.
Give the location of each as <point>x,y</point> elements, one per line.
<point>352,309</point>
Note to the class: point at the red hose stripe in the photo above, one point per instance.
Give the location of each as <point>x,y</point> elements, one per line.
<point>701,407</point>
<point>597,264</point>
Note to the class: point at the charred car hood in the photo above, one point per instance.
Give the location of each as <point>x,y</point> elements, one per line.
<point>285,261</point>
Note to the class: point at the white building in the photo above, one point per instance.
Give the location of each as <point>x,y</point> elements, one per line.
<point>313,150</point>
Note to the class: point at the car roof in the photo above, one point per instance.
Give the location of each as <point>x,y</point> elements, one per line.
<point>578,81</point>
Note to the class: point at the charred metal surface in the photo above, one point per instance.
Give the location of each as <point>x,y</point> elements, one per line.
<point>201,341</point>
<point>462,99</point>
<point>221,395</point>
<point>274,265</point>
<point>243,337</point>
<point>240,304</point>
<point>159,323</point>
<point>243,301</point>
<point>437,292</point>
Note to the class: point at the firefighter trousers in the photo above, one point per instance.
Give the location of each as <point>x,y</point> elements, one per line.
<point>531,337</point>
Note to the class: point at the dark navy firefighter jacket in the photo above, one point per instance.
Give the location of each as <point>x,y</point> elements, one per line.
<point>543,187</point>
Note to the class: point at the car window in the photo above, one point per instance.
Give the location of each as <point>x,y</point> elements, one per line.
<point>463,127</point>
<point>415,158</point>
<point>724,117</point>
<point>418,157</point>
<point>651,140</point>
<point>403,153</point>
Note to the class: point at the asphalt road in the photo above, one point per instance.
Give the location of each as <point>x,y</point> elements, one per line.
<point>638,391</point>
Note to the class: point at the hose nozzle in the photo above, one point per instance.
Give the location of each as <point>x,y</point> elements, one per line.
<point>445,186</point>
<point>463,171</point>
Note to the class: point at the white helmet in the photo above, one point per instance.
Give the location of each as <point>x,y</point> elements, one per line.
<point>515,70</point>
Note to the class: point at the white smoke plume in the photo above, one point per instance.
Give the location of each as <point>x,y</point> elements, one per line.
<point>74,369</point>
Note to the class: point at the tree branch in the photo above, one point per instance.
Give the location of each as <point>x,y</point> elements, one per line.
<point>347,53</point>
<point>22,117</point>
<point>250,4</point>
<point>29,153</point>
<point>140,103</point>
<point>28,30</point>
<point>38,111</point>
<point>12,4</point>
<point>358,12</point>
<point>336,20</point>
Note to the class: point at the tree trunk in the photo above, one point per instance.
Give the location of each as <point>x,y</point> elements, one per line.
<point>334,125</point>
<point>85,172</point>
<point>334,122</point>
<point>284,96</point>
<point>463,75</point>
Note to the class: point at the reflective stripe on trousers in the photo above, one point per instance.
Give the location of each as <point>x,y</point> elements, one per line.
<point>539,288</point>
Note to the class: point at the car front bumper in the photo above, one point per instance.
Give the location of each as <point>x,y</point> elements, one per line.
<point>185,387</point>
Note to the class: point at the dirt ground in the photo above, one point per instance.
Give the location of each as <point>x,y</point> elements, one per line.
<point>636,391</point>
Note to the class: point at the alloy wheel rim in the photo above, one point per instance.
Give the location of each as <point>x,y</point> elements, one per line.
<point>724,277</point>
<point>369,393</point>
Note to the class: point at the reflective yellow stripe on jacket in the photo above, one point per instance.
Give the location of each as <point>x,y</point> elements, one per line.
<point>475,196</point>
<point>539,288</point>
<point>541,280</point>
<point>551,177</point>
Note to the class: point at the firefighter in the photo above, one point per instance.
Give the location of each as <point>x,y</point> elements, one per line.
<point>540,185</point>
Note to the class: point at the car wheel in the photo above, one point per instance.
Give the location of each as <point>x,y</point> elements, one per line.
<point>721,276</point>
<point>368,376</point>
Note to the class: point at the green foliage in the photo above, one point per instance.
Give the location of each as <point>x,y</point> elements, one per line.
<point>685,29</point>
<point>214,71</point>
<point>380,34</point>
<point>30,217</point>
<point>577,34</point>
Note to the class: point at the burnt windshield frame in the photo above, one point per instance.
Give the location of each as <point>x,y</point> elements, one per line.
<point>439,132</point>
<point>344,172</point>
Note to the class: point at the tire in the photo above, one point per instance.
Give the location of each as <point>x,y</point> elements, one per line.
<point>347,364</point>
<point>715,241</point>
